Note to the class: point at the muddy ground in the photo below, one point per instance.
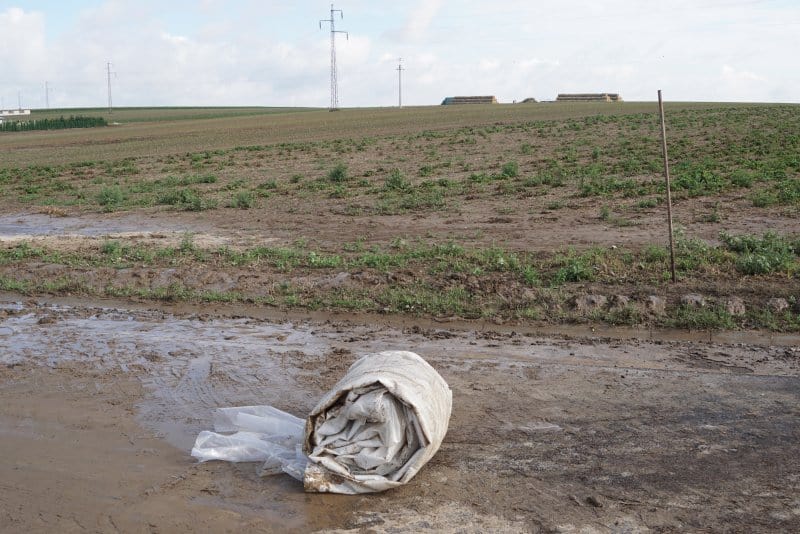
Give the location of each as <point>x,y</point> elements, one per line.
<point>99,408</point>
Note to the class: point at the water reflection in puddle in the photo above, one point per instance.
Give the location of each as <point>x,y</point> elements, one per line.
<point>39,225</point>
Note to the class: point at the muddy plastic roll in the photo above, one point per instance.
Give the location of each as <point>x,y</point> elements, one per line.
<point>377,426</point>
<point>373,431</point>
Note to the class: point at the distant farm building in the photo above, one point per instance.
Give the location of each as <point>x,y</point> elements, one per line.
<point>589,97</point>
<point>455,100</point>
<point>14,112</point>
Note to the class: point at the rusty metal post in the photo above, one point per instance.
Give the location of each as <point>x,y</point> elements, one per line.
<point>669,193</point>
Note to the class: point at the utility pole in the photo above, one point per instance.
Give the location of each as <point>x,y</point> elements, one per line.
<point>400,82</point>
<point>19,100</point>
<point>108,70</point>
<point>46,95</point>
<point>334,81</point>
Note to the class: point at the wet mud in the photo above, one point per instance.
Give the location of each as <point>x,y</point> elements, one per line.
<point>99,407</point>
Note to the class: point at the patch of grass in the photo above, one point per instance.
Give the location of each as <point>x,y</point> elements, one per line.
<point>397,182</point>
<point>708,318</point>
<point>649,203</point>
<point>509,170</point>
<point>785,192</point>
<point>421,299</point>
<point>694,254</point>
<point>425,170</point>
<point>268,185</point>
<point>698,181</point>
<point>655,254</point>
<point>186,199</point>
<point>243,200</point>
<point>742,178</point>
<point>627,315</point>
<point>111,197</point>
<point>573,267</point>
<point>338,173</point>
<point>399,196</point>
<point>764,254</point>
<point>112,248</point>
<point>777,322</point>
<point>324,261</point>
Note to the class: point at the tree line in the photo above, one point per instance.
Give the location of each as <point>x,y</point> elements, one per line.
<point>61,123</point>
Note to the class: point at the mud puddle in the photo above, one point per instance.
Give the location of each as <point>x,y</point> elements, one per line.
<point>189,366</point>
<point>43,227</point>
<point>30,225</point>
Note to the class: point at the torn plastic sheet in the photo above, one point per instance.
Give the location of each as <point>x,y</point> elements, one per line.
<point>372,431</point>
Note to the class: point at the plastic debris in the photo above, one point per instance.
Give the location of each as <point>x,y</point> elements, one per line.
<point>373,431</point>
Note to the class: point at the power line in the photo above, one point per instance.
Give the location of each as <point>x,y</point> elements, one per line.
<point>334,81</point>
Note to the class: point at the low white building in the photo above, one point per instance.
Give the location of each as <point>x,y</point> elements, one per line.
<point>14,112</point>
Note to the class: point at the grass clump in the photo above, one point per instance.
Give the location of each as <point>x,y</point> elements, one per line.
<point>111,197</point>
<point>510,170</point>
<point>243,200</point>
<point>766,254</point>
<point>786,192</point>
<point>711,318</point>
<point>186,199</point>
<point>397,182</point>
<point>573,267</point>
<point>338,174</point>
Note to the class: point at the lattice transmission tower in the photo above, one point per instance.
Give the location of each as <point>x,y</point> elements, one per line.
<point>334,31</point>
<point>109,72</point>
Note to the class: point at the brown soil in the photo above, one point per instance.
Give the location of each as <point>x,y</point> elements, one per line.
<point>98,408</point>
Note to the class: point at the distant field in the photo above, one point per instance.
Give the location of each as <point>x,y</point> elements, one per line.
<point>144,114</point>
<point>164,131</point>
<point>501,212</point>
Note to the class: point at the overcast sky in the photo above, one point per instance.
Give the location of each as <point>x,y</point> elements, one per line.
<point>273,53</point>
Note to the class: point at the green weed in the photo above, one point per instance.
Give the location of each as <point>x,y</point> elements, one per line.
<point>397,182</point>
<point>110,197</point>
<point>243,200</point>
<point>338,173</point>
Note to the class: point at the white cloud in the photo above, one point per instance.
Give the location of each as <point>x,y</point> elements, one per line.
<point>737,76</point>
<point>23,52</point>
<point>272,53</point>
<point>421,17</point>
<point>488,65</point>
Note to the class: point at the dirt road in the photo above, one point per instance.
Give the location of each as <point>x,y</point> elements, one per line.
<point>99,407</point>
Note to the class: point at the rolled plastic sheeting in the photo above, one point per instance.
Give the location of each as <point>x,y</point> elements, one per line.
<point>374,430</point>
<point>377,426</point>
